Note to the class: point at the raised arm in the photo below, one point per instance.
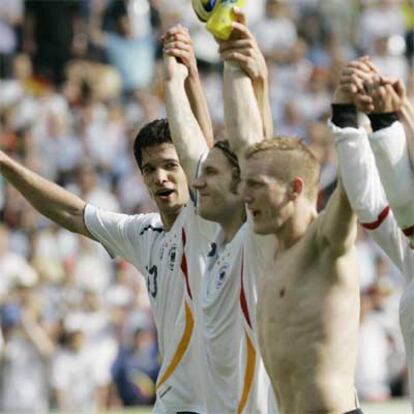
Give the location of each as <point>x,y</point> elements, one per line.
<point>243,49</point>
<point>337,223</point>
<point>242,116</point>
<point>49,199</point>
<point>185,131</point>
<point>406,116</point>
<point>361,180</point>
<point>389,145</point>
<point>178,43</point>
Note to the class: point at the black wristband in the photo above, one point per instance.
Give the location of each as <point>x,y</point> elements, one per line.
<point>344,115</point>
<point>384,120</point>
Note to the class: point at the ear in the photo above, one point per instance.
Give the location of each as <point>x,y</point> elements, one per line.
<point>296,188</point>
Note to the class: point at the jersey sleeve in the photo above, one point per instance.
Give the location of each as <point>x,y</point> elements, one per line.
<point>123,235</point>
<point>366,195</point>
<point>390,149</point>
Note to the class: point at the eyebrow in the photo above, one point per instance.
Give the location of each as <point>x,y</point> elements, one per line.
<point>162,162</point>
<point>209,167</point>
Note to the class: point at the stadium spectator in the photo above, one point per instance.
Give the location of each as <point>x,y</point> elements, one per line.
<point>76,128</point>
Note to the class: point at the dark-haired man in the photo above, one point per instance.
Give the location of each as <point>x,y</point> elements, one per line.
<point>235,379</point>
<point>157,244</point>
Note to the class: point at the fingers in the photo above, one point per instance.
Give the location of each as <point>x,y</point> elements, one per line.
<point>178,28</point>
<point>368,62</point>
<point>236,44</point>
<point>364,103</point>
<point>179,37</point>
<point>180,55</point>
<point>178,45</point>
<point>399,89</point>
<point>240,30</point>
<point>235,56</point>
<point>358,76</point>
<point>239,15</point>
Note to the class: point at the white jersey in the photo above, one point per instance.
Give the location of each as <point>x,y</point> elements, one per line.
<point>389,146</point>
<point>367,197</point>
<point>236,380</point>
<point>172,263</point>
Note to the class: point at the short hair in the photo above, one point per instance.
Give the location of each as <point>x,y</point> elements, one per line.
<point>152,134</point>
<point>296,161</point>
<point>224,147</point>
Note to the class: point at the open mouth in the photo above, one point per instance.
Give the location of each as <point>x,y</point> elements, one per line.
<point>164,194</point>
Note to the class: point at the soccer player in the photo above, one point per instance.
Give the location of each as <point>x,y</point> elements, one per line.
<point>157,244</point>
<point>235,378</point>
<point>308,307</point>
<point>371,164</point>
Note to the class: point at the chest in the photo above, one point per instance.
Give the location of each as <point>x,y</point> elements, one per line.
<point>166,266</point>
<point>223,272</point>
<point>296,288</point>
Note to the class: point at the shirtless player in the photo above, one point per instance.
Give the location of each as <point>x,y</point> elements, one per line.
<point>308,310</point>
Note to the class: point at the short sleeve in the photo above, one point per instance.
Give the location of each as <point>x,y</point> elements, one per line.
<point>127,236</point>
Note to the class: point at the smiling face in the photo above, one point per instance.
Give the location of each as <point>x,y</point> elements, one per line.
<point>165,180</point>
<point>218,198</point>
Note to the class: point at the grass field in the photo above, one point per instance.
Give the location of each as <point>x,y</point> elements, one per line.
<point>392,407</point>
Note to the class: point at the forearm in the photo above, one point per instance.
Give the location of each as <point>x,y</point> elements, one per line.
<point>406,115</point>
<point>359,173</point>
<point>365,192</point>
<point>186,133</point>
<point>261,91</point>
<point>199,107</point>
<point>243,121</point>
<point>390,149</point>
<point>57,204</point>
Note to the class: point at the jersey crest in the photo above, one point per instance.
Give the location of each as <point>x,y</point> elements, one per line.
<point>222,275</point>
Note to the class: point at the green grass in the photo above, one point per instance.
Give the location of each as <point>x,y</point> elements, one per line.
<point>392,407</point>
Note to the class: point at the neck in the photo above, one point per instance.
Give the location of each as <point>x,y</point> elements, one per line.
<point>296,226</point>
<point>168,219</point>
<point>232,224</point>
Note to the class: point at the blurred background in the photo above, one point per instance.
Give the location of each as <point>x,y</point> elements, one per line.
<point>77,80</point>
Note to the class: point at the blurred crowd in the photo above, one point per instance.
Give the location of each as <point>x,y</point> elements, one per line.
<point>77,80</point>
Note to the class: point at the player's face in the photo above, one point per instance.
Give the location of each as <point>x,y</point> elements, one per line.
<point>267,197</point>
<point>164,178</point>
<point>217,197</point>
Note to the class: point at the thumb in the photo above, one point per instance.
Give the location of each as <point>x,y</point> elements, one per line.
<point>239,15</point>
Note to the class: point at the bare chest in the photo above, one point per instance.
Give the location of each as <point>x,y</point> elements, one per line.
<point>304,295</point>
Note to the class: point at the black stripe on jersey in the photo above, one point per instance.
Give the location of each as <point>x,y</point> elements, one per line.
<point>213,249</point>
<point>149,227</point>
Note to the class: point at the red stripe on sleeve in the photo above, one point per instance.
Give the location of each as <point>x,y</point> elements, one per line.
<point>375,224</point>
